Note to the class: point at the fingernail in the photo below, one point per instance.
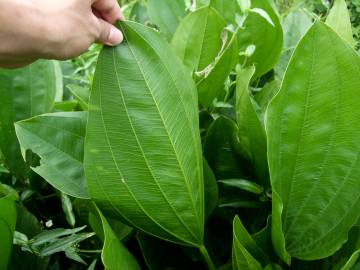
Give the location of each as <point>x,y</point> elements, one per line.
<point>115,37</point>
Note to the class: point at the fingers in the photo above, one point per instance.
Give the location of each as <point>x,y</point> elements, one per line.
<point>108,34</point>
<point>109,10</point>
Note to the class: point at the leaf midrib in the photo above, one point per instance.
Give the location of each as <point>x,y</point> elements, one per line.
<point>199,154</point>
<point>168,135</point>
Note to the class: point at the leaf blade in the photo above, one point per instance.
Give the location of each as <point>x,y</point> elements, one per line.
<point>157,148</point>
<point>310,229</point>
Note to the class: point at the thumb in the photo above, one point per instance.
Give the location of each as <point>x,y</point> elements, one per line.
<point>108,34</point>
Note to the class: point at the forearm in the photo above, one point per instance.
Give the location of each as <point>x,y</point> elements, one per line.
<point>21,32</point>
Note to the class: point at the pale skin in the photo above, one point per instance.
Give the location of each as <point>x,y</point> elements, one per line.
<point>55,29</point>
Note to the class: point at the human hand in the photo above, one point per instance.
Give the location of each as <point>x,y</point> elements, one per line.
<point>33,29</point>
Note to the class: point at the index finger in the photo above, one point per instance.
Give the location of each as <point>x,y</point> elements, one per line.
<point>108,9</point>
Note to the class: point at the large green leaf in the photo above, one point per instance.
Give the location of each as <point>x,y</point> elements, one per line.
<point>24,93</point>
<point>197,41</point>
<point>7,227</point>
<point>252,136</point>
<point>142,150</point>
<point>313,149</point>
<point>210,86</point>
<point>267,38</point>
<point>114,255</point>
<point>339,20</point>
<point>166,15</point>
<point>58,139</point>
<point>242,259</point>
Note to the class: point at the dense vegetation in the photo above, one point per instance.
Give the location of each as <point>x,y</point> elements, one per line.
<point>221,134</point>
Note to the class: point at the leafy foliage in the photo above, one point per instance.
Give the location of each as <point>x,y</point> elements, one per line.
<point>221,134</point>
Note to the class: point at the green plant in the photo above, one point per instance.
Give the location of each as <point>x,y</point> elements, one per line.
<point>218,135</point>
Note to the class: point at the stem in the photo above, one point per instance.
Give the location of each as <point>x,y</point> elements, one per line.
<point>89,251</point>
<point>207,257</point>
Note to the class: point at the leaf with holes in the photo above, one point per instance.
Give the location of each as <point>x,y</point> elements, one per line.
<point>58,139</point>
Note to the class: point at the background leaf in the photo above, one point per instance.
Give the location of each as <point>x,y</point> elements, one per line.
<point>7,227</point>
<point>295,26</point>
<point>339,20</point>
<point>197,41</point>
<point>166,15</point>
<point>252,138</point>
<point>24,93</point>
<point>212,84</point>
<point>58,139</point>
<point>267,38</point>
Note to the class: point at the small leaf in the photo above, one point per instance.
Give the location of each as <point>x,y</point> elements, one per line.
<point>52,235</point>
<point>62,244</point>
<point>262,13</point>
<point>197,41</point>
<point>243,184</point>
<point>72,255</point>
<point>68,209</point>
<point>250,50</point>
<point>245,5</point>
<point>267,38</point>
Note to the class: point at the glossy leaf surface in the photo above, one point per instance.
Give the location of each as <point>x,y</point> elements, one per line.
<point>197,41</point>
<point>24,93</point>
<point>313,150</point>
<point>58,139</point>
<point>142,149</point>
